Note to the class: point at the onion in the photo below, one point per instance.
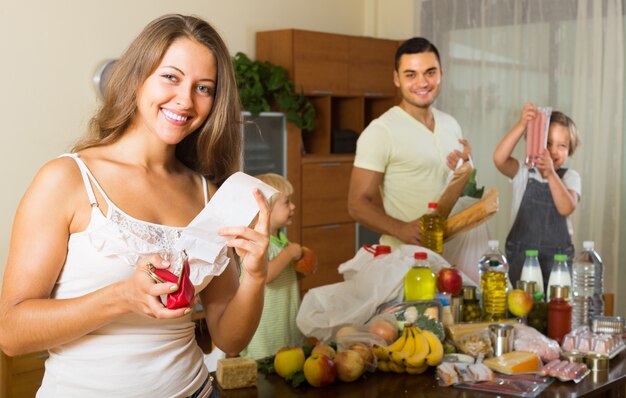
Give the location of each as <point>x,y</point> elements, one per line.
<point>384,330</point>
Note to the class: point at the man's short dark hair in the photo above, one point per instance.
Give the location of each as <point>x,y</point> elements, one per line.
<point>416,45</point>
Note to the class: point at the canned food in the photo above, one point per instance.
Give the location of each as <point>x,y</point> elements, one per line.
<point>573,356</point>
<point>597,362</point>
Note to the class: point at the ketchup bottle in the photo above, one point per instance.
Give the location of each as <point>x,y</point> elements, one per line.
<point>559,313</point>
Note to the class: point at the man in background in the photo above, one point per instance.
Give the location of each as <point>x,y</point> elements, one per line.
<point>406,155</point>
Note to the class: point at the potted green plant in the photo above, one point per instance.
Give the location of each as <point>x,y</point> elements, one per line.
<point>262,84</point>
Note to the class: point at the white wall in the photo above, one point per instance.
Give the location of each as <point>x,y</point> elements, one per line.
<point>51,49</point>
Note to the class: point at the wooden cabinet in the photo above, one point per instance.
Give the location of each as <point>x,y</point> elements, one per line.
<point>349,80</point>
<point>21,376</point>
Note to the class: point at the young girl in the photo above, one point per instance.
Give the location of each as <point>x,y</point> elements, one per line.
<point>282,298</point>
<point>543,197</point>
<point>76,281</point>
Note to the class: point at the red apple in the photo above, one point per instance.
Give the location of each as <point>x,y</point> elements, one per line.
<point>288,361</point>
<point>350,365</point>
<point>366,352</point>
<point>319,370</point>
<point>449,280</point>
<point>321,348</point>
<point>520,302</point>
<point>307,263</point>
<point>344,331</point>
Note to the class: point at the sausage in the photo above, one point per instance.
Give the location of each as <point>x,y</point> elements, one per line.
<point>550,365</point>
<point>556,370</point>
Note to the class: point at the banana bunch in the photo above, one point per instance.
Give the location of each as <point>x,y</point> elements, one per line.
<point>413,352</point>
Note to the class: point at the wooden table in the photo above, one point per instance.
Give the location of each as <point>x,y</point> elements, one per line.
<point>611,384</point>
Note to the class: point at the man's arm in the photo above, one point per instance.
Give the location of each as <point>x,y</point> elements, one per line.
<point>365,207</point>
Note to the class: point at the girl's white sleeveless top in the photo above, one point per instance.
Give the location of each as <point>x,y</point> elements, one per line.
<point>133,356</point>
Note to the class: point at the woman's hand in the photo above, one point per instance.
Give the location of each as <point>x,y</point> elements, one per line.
<point>251,243</point>
<point>143,293</point>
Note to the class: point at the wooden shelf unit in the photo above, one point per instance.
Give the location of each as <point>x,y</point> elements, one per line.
<point>349,80</point>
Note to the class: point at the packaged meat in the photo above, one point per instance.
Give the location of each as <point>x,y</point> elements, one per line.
<point>565,370</point>
<point>529,339</point>
<point>537,134</point>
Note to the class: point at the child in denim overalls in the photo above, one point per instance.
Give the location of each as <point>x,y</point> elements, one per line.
<point>543,196</point>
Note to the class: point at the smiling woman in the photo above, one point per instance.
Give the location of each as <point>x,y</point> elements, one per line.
<point>166,136</point>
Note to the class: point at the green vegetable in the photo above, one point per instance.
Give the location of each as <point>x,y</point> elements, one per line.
<point>427,323</point>
<point>296,379</point>
<point>266,365</point>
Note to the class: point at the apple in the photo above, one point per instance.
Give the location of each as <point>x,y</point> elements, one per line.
<point>321,348</point>
<point>449,280</point>
<point>319,370</point>
<point>350,365</point>
<point>307,263</point>
<point>520,302</point>
<point>365,351</point>
<point>288,360</point>
<point>383,329</point>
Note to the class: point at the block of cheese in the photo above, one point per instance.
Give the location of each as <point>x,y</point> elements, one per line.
<point>237,372</point>
<point>514,362</point>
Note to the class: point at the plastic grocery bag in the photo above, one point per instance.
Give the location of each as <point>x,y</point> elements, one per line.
<point>465,249</point>
<point>369,282</point>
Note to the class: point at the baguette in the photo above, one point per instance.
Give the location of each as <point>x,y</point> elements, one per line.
<point>473,216</point>
<point>453,189</point>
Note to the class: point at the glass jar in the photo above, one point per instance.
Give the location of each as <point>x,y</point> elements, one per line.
<point>470,311</point>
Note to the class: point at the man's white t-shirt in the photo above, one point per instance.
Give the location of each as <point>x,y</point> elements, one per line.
<point>412,158</point>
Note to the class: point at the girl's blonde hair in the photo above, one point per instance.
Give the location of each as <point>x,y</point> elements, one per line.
<point>278,182</point>
<point>562,119</point>
<point>214,149</point>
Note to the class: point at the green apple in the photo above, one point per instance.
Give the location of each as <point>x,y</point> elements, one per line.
<point>288,361</point>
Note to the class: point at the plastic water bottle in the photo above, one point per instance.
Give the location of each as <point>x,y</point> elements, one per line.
<point>560,275</point>
<point>419,281</point>
<point>432,229</point>
<point>587,300</point>
<point>531,271</point>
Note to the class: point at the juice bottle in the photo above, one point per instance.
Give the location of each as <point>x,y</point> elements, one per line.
<point>419,281</point>
<point>493,283</point>
<point>432,229</point>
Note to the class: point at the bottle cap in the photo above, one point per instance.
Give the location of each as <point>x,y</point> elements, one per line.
<point>557,291</point>
<point>588,245</point>
<point>382,249</point>
<point>531,287</point>
<point>532,252</point>
<point>538,296</point>
<point>432,205</point>
<point>469,292</point>
<point>420,256</point>
<point>521,285</point>
<point>560,257</point>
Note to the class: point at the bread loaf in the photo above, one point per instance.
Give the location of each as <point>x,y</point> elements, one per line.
<point>453,190</point>
<point>237,372</point>
<point>473,216</point>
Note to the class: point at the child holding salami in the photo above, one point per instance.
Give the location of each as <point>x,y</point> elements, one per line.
<point>544,195</point>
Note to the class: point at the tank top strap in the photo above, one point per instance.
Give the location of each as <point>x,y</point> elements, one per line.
<point>88,179</point>
<point>205,189</point>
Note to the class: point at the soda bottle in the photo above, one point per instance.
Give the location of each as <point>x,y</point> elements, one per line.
<point>586,302</point>
<point>432,229</point>
<point>419,281</point>
<point>560,275</point>
<point>493,283</point>
<point>531,270</point>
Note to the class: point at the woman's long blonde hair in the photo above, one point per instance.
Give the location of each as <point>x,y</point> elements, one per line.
<point>214,149</point>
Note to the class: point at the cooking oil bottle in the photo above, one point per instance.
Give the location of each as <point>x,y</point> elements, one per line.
<point>432,229</point>
<point>493,284</point>
<point>419,281</point>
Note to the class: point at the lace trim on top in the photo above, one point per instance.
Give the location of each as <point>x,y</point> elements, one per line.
<point>129,239</point>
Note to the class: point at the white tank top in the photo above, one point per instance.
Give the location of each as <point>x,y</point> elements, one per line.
<point>133,356</point>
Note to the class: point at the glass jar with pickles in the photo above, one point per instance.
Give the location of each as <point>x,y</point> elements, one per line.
<point>470,310</point>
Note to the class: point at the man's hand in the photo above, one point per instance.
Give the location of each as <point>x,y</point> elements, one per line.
<point>410,233</point>
<point>454,156</point>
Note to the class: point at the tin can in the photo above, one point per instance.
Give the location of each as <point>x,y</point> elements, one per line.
<point>597,362</point>
<point>573,356</point>
<point>502,338</point>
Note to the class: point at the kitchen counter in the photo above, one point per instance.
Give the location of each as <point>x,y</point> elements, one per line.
<point>611,384</point>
